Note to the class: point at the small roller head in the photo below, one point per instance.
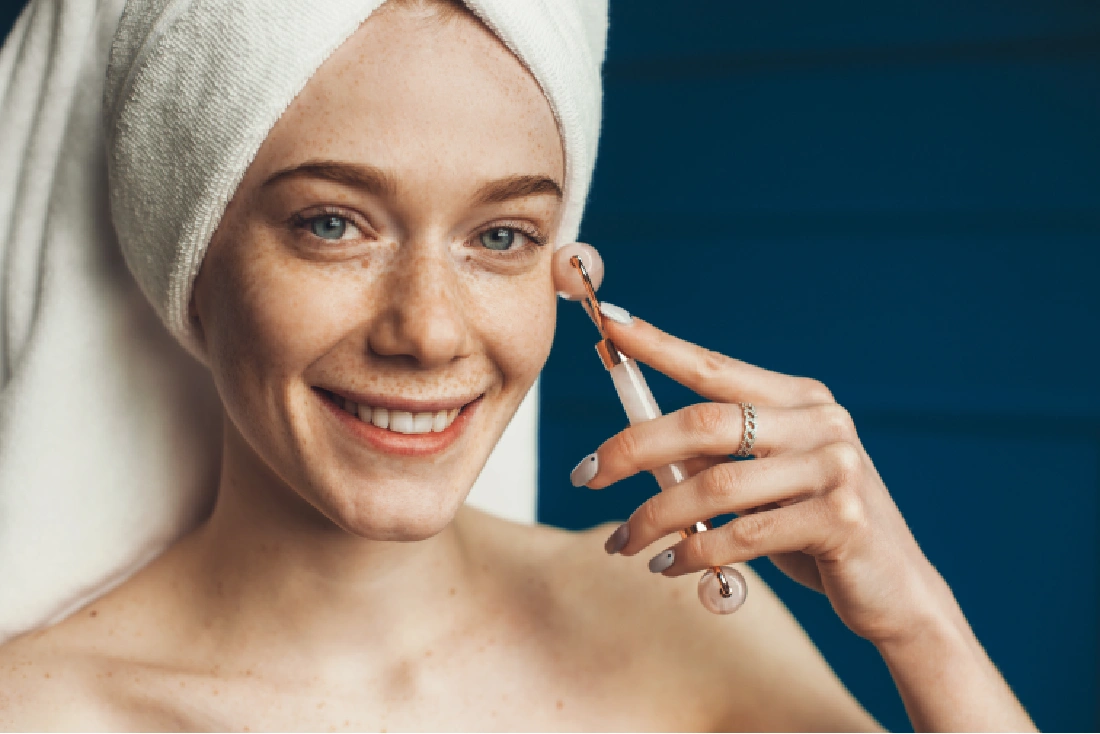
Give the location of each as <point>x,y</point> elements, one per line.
<point>712,593</point>
<point>567,281</point>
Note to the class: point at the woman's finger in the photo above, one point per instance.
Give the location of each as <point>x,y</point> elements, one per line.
<point>697,464</point>
<point>711,374</point>
<point>728,487</point>
<point>811,527</point>
<point>714,430</point>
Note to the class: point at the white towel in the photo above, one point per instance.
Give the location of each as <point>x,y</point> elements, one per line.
<point>152,110</point>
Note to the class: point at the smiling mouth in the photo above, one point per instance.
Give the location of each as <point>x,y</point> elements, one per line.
<point>395,421</point>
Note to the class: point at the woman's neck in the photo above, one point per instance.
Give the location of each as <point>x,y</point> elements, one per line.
<point>273,576</point>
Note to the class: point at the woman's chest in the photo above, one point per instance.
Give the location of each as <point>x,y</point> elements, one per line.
<point>502,692</point>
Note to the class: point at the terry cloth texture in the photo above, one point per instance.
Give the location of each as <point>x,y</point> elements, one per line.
<point>125,128</point>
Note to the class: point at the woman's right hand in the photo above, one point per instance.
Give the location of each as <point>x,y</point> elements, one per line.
<point>812,501</point>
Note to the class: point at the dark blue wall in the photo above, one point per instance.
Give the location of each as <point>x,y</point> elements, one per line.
<point>902,200</point>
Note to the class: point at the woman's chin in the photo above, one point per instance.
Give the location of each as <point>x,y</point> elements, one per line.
<point>404,512</point>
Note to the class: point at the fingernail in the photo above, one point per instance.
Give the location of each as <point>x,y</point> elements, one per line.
<point>583,472</point>
<point>662,560</point>
<point>617,540</point>
<point>616,314</point>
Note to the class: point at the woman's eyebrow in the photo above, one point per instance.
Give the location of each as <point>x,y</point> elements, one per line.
<point>516,187</point>
<point>362,176</point>
<point>380,183</point>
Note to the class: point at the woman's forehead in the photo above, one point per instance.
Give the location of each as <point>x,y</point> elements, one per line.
<point>421,99</point>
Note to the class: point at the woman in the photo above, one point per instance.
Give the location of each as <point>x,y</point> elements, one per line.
<point>373,305</point>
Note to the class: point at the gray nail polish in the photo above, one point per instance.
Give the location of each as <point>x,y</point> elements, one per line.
<point>583,472</point>
<point>615,313</point>
<point>617,540</point>
<point>662,560</point>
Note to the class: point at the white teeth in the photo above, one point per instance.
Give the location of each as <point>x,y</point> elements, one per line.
<point>380,417</point>
<point>401,421</point>
<point>422,422</point>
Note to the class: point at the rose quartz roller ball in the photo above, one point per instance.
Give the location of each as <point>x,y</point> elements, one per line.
<point>567,281</point>
<point>710,591</point>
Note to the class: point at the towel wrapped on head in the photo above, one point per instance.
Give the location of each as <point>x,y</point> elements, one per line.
<point>125,128</point>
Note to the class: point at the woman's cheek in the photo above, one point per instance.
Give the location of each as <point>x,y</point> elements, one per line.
<point>296,310</point>
<point>518,317</point>
<point>269,318</point>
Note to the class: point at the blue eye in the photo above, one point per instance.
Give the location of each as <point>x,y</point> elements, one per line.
<point>499,238</point>
<point>329,227</point>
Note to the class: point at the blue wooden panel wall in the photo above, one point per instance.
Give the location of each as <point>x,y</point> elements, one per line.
<point>902,200</point>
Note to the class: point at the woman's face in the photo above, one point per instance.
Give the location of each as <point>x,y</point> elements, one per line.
<point>386,260</point>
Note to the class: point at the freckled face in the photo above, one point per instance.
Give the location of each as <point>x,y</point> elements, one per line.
<point>391,243</point>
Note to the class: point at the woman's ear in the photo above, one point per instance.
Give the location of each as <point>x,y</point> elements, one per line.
<point>567,281</point>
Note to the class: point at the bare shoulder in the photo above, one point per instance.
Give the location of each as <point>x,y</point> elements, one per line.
<point>754,669</point>
<point>81,673</point>
<point>47,685</point>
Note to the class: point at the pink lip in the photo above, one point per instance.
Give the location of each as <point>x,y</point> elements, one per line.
<point>401,444</point>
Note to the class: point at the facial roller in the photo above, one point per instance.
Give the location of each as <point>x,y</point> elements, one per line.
<point>722,588</point>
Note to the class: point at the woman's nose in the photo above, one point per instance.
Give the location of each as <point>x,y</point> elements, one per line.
<point>422,318</point>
